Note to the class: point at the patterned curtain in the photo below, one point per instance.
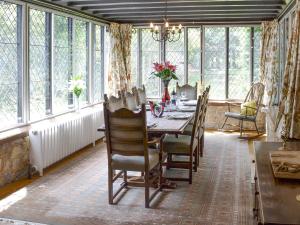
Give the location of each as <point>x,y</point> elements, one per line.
<point>119,74</point>
<point>269,60</point>
<point>290,95</point>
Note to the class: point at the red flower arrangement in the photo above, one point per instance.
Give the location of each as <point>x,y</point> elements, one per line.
<point>165,71</point>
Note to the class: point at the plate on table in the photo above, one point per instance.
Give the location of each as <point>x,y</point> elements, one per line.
<point>151,124</point>
<point>179,116</point>
<point>183,99</point>
<point>190,103</point>
<point>186,109</point>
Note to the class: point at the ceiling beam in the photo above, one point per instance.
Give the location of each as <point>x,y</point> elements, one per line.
<point>183,15</point>
<point>150,5</point>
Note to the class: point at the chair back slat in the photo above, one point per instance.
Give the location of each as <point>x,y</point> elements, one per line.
<point>190,91</point>
<point>256,93</point>
<point>197,121</point>
<point>126,132</point>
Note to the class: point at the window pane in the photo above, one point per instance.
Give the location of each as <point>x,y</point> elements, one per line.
<point>150,55</point>
<point>239,62</point>
<point>39,65</point>
<point>98,65</point>
<point>194,54</point>
<point>256,52</point>
<point>215,61</point>
<point>10,64</point>
<point>63,68</point>
<point>175,54</point>
<point>80,48</point>
<point>106,58</point>
<point>134,55</point>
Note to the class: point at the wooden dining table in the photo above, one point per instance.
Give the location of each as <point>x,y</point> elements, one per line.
<point>166,124</point>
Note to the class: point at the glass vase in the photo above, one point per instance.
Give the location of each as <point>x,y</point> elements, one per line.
<point>77,104</point>
<point>166,95</point>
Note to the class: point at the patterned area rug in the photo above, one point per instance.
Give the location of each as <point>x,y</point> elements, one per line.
<point>76,193</point>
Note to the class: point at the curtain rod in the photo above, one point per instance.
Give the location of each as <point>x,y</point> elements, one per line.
<point>60,8</point>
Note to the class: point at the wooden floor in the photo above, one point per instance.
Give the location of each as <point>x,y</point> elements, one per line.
<point>75,191</point>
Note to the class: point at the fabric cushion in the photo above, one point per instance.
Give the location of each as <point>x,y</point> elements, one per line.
<point>239,116</point>
<point>189,129</point>
<point>135,163</point>
<point>180,145</point>
<point>248,108</point>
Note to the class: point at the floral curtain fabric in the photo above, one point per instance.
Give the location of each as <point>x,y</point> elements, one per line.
<point>119,74</point>
<point>289,105</point>
<point>269,60</point>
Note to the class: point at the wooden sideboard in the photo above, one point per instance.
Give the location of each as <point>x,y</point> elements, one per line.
<point>275,199</point>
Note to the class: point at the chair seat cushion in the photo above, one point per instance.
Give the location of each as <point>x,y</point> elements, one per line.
<point>239,116</point>
<point>135,163</point>
<point>180,145</point>
<point>189,129</point>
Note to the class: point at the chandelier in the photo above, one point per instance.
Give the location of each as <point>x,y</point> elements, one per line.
<point>167,33</point>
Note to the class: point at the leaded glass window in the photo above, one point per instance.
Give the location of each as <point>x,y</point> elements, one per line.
<point>215,61</point>
<point>98,74</point>
<point>175,54</point>
<point>62,70</point>
<point>80,54</point>
<point>150,51</point>
<point>39,61</point>
<point>239,62</point>
<point>194,55</point>
<point>10,64</point>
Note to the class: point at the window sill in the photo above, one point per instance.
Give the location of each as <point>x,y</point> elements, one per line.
<point>23,130</point>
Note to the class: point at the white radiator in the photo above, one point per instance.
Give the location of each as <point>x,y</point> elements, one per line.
<point>54,141</point>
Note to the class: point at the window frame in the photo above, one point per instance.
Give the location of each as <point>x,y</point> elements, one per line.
<point>202,55</point>
<point>24,95</point>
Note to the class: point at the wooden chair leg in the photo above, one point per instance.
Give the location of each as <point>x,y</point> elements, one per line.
<point>202,146</point>
<point>169,159</point>
<point>256,127</point>
<point>110,185</point>
<point>147,190</point>
<point>191,170</point>
<point>195,164</point>
<point>224,122</point>
<point>241,128</point>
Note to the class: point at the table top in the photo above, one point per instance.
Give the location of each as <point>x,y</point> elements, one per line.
<point>167,125</point>
<point>164,124</point>
<point>277,196</point>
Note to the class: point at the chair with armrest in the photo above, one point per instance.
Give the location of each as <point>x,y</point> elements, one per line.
<point>250,108</point>
<point>190,91</point>
<point>127,150</point>
<point>184,145</point>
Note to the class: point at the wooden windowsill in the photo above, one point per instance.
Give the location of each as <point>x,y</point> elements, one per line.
<point>23,131</point>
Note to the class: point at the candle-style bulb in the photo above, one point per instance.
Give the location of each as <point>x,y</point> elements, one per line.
<point>151,25</point>
<point>156,27</point>
<point>173,28</point>
<point>180,26</point>
<point>167,24</point>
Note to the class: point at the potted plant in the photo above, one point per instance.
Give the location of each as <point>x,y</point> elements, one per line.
<point>76,86</point>
<point>166,72</point>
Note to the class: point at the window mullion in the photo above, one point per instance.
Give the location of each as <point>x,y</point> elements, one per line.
<point>139,58</point>
<point>251,54</point>
<point>185,39</point>
<point>23,63</point>
<point>70,55</point>
<point>49,49</point>
<point>227,63</point>
<point>90,42</point>
<point>102,61</point>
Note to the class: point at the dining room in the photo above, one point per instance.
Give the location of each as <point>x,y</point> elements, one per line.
<point>149,112</point>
